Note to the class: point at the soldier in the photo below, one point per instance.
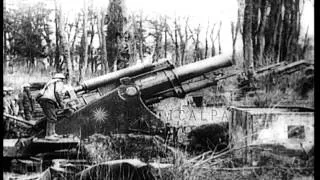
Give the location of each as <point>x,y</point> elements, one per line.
<point>6,104</point>
<point>8,100</point>
<point>50,101</point>
<point>16,105</point>
<point>26,102</point>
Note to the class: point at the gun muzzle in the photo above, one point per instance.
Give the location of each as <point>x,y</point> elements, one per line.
<point>198,68</point>
<point>113,76</point>
<point>154,85</point>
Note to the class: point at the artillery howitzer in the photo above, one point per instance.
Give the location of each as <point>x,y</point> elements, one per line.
<point>118,102</point>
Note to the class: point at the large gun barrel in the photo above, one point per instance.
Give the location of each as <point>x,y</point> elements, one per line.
<point>198,68</point>
<point>123,109</point>
<point>160,83</point>
<point>113,76</point>
<point>155,81</point>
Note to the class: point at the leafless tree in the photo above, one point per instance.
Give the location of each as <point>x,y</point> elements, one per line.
<point>158,26</point>
<point>272,28</point>
<point>62,43</point>
<point>102,24</point>
<point>234,33</point>
<point>74,38</point>
<point>213,50</point>
<point>219,39</point>
<point>195,37</point>
<point>184,38</point>
<point>247,35</point>
<point>115,32</point>
<point>84,43</point>
<point>165,37</point>
<point>174,38</point>
<point>206,42</point>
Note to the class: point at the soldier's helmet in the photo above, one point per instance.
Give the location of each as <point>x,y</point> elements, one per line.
<point>5,90</point>
<point>26,85</point>
<point>10,89</point>
<point>16,98</point>
<point>59,76</point>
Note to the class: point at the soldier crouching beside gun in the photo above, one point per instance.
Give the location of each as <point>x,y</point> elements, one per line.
<point>50,100</point>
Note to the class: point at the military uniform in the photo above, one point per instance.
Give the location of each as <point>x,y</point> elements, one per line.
<point>26,102</point>
<point>50,101</point>
<point>8,103</point>
<point>16,107</point>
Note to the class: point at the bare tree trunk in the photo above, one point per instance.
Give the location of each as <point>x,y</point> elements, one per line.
<point>141,37</point>
<point>62,44</point>
<point>219,42</point>
<point>65,46</point>
<point>295,24</point>
<point>280,24</point>
<point>68,60</point>
<point>186,39</point>
<point>247,35</point>
<point>255,28</point>
<point>183,41</point>
<point>84,61</point>
<point>305,45</point>
<point>261,41</point>
<point>165,37</point>
<point>176,42</point>
<point>213,50</point>
<point>196,52</point>
<point>134,39</point>
<point>4,50</point>
<point>57,24</point>
<point>138,36</point>
<point>100,31</point>
<point>206,43</point>
<point>102,40</point>
<point>4,44</point>
<point>234,33</point>
<point>286,33</point>
<point>91,47</point>
<point>157,38</point>
<point>174,39</point>
<point>72,46</point>
<point>273,32</point>
<point>114,37</point>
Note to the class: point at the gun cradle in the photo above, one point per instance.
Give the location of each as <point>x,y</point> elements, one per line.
<point>120,111</point>
<point>117,103</point>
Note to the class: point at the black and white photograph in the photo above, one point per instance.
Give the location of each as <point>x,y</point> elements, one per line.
<point>158,90</point>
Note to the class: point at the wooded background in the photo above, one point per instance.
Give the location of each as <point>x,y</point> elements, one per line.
<point>270,32</point>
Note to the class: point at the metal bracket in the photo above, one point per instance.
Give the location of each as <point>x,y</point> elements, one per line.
<point>174,81</point>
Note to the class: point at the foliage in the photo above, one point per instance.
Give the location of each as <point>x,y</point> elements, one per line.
<point>27,29</point>
<point>228,165</point>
